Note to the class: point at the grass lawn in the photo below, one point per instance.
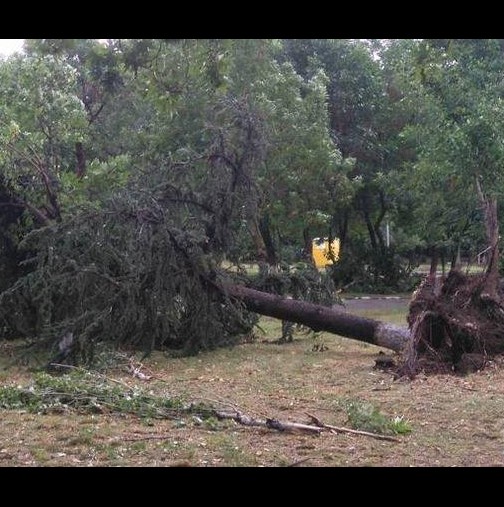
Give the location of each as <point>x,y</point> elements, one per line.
<point>452,421</point>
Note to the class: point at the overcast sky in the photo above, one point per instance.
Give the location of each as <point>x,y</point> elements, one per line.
<point>9,46</point>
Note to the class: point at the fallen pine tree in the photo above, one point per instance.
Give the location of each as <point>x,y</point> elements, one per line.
<point>139,267</point>
<point>322,318</point>
<point>452,324</point>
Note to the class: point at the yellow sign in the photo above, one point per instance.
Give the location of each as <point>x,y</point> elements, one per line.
<point>320,251</point>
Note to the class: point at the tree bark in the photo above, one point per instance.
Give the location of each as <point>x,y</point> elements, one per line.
<point>322,318</point>
<point>265,230</point>
<point>307,241</point>
<point>490,206</point>
<point>81,160</point>
<point>255,233</point>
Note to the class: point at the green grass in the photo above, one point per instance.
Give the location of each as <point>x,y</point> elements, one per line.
<point>438,421</point>
<point>364,416</point>
<point>393,316</point>
<point>466,268</point>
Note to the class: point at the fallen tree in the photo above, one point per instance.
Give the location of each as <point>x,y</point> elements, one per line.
<point>169,294</point>
<point>143,270</point>
<point>453,324</point>
<point>322,318</point>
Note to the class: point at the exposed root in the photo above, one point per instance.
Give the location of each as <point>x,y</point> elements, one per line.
<point>455,329</point>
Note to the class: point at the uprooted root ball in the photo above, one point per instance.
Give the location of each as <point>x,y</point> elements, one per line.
<point>454,325</point>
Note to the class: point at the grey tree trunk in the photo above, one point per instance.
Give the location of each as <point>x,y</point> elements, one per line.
<point>490,209</point>
<point>322,318</point>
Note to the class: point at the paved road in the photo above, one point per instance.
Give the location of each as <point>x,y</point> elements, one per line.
<point>376,303</point>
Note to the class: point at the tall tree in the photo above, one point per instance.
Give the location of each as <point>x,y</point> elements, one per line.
<point>431,216</point>
<point>456,85</point>
<point>41,120</point>
<point>461,90</point>
<point>365,122</point>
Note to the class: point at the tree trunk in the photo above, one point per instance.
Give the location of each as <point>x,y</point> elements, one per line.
<point>255,233</point>
<point>81,160</point>
<point>379,220</point>
<point>265,230</point>
<point>307,242</point>
<point>322,318</point>
<point>340,222</point>
<point>371,231</point>
<point>491,281</point>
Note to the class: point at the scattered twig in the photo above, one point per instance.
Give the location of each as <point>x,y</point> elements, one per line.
<point>98,398</point>
<point>339,429</point>
<point>138,374</point>
<point>296,463</point>
<point>145,437</point>
<point>467,388</point>
<point>135,367</point>
<point>290,426</point>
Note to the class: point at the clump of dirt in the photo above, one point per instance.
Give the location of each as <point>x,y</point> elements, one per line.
<point>455,326</point>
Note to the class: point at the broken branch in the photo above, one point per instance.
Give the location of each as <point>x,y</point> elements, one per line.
<point>267,423</point>
<point>339,429</point>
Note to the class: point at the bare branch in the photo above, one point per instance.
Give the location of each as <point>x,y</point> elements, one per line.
<point>339,429</point>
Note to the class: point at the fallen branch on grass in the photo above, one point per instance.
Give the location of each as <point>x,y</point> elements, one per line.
<point>90,393</point>
<point>275,424</point>
<point>318,426</point>
<point>138,438</point>
<point>339,429</point>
